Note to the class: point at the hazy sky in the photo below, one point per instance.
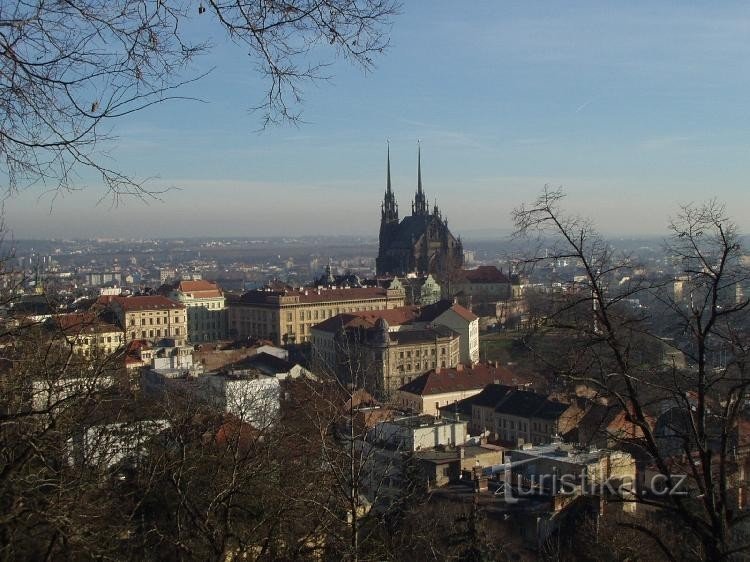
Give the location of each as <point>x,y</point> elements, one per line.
<point>631,107</point>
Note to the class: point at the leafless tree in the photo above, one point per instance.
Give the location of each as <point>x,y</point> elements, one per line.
<point>70,70</point>
<point>690,417</point>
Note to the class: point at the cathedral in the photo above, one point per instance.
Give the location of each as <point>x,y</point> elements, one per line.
<point>420,243</point>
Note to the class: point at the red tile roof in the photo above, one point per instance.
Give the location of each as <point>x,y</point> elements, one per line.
<point>200,288</point>
<point>368,319</point>
<point>464,313</point>
<point>153,302</point>
<point>439,381</point>
<point>84,322</point>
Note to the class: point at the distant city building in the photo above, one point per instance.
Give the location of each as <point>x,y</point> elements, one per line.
<point>97,279</point>
<point>420,243</point>
<point>287,316</point>
<point>207,314</point>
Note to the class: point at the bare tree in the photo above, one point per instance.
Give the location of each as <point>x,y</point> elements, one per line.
<point>690,418</point>
<point>69,70</point>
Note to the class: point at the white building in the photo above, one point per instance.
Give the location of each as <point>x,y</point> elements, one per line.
<point>414,433</point>
<point>253,397</point>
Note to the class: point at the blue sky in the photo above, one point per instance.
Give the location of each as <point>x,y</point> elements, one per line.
<point>631,107</point>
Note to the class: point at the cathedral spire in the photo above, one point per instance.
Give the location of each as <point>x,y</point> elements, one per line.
<point>388,158</point>
<point>389,207</point>
<point>420,203</point>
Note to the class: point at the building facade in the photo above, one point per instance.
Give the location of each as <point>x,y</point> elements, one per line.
<point>89,334</point>
<point>151,318</point>
<point>207,315</point>
<point>379,358</point>
<point>287,316</point>
<point>421,243</point>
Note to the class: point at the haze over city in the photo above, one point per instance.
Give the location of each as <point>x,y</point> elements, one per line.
<point>632,108</point>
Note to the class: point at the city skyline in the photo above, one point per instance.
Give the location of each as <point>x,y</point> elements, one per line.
<point>632,109</point>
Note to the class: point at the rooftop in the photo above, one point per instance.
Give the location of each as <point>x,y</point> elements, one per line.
<point>151,302</point>
<point>485,274</point>
<point>476,377</point>
<point>311,296</point>
<point>200,289</point>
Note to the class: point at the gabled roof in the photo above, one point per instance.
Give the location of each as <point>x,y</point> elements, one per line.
<point>491,395</point>
<point>368,319</point>
<point>85,323</point>
<point>269,364</point>
<point>199,288</point>
<point>524,403</point>
<point>428,334</point>
<point>433,311</point>
<point>485,274</point>
<point>521,403</point>
<point>443,380</point>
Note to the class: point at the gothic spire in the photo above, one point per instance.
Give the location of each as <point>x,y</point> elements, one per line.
<point>389,206</point>
<point>388,186</point>
<point>420,203</point>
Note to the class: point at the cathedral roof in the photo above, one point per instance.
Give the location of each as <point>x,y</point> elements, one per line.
<point>411,228</point>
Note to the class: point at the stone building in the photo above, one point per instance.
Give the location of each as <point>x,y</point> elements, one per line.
<point>420,243</point>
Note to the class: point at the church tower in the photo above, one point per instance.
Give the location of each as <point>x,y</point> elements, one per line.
<point>419,207</point>
<point>389,209</point>
<point>388,220</point>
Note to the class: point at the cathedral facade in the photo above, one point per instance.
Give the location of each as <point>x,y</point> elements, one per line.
<point>421,242</point>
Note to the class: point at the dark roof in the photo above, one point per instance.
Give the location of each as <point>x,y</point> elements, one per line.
<point>425,335</point>
<point>485,274</point>
<point>306,296</point>
<point>269,363</point>
<point>521,403</point>
<point>524,403</point>
<point>410,229</point>
<point>491,395</point>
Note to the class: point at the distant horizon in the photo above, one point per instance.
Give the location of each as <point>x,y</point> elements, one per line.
<point>631,108</point>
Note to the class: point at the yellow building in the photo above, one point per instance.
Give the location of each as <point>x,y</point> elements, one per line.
<point>367,351</point>
<point>151,318</point>
<point>288,316</point>
<point>89,334</point>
